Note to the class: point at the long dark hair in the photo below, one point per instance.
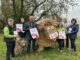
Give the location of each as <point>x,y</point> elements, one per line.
<point>20,19</point>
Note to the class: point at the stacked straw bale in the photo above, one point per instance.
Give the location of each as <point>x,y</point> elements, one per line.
<point>46,27</point>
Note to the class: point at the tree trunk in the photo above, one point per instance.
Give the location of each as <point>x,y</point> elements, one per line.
<point>21,11</point>
<point>14,9</point>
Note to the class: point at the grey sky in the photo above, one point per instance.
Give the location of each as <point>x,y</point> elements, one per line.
<point>75,12</point>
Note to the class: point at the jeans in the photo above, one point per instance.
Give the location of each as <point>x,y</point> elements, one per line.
<point>10,50</point>
<point>73,45</point>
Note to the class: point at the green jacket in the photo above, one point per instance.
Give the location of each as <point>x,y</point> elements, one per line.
<point>61,30</point>
<point>7,33</point>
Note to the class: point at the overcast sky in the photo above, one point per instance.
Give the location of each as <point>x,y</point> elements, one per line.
<point>75,12</point>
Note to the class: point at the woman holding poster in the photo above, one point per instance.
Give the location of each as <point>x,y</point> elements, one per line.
<point>73,30</point>
<point>61,36</point>
<point>31,34</point>
<point>22,32</point>
<point>9,38</point>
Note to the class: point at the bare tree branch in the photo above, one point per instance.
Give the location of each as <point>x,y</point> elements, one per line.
<point>43,14</point>
<point>37,7</point>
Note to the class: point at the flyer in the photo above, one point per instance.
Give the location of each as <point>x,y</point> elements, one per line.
<point>62,35</point>
<point>34,33</point>
<point>53,35</point>
<point>15,33</point>
<point>19,27</point>
<point>70,29</point>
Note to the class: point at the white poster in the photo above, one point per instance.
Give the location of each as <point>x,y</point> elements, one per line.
<point>19,27</point>
<point>34,33</point>
<point>62,35</point>
<point>53,35</point>
<point>15,33</point>
<point>70,29</point>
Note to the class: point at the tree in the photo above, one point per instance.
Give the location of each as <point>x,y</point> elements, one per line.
<point>6,9</point>
<point>21,10</point>
<point>38,8</point>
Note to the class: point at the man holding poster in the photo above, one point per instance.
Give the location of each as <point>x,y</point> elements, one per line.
<point>31,34</point>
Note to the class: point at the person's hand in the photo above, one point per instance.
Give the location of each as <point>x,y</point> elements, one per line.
<point>15,36</point>
<point>69,32</point>
<point>26,29</point>
<point>23,31</point>
<point>30,28</point>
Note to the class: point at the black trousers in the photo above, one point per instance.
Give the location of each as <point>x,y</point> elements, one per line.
<point>61,43</point>
<point>67,40</point>
<point>10,50</point>
<point>29,45</point>
<point>21,34</point>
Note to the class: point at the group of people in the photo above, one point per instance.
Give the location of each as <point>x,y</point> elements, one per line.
<point>71,29</point>
<point>10,28</point>
<point>9,35</point>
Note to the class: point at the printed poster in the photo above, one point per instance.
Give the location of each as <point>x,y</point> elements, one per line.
<point>34,33</point>
<point>53,35</point>
<point>62,35</point>
<point>19,27</point>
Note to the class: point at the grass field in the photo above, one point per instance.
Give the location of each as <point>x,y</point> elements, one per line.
<point>47,54</point>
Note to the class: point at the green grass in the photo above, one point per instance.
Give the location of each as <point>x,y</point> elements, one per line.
<point>47,54</point>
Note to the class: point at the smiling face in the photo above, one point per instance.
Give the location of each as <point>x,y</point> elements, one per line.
<point>10,22</point>
<point>22,20</point>
<point>31,18</point>
<point>65,20</point>
<point>60,25</point>
<point>73,21</point>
